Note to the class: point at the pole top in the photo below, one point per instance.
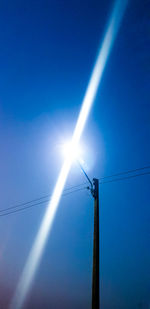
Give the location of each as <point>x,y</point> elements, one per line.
<point>95,187</point>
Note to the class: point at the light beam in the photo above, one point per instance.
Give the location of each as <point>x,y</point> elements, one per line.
<point>46,225</point>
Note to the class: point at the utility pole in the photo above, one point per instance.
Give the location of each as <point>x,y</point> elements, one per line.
<point>94,188</point>
<point>95,278</point>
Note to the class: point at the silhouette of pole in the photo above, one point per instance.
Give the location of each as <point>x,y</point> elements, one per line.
<point>94,188</point>
<point>95,278</point>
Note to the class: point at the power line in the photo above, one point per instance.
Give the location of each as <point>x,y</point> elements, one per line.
<point>123,178</point>
<point>126,172</point>
<point>7,212</point>
<point>39,198</point>
<point>43,199</point>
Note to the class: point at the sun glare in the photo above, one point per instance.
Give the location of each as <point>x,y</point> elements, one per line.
<point>71,151</point>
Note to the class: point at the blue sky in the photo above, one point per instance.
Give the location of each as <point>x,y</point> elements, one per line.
<point>48,49</point>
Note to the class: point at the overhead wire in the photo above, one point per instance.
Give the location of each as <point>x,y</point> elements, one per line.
<point>69,190</point>
<point>9,211</point>
<point>126,172</point>
<point>40,198</point>
<point>123,178</point>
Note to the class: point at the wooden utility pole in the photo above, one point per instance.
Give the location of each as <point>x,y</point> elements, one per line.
<point>95,279</point>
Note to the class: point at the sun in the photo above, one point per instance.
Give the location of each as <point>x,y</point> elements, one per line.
<point>72,151</point>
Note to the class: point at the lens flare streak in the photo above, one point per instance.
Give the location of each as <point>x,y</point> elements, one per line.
<point>46,225</point>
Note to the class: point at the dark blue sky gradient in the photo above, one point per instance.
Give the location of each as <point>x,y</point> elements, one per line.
<point>48,50</point>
